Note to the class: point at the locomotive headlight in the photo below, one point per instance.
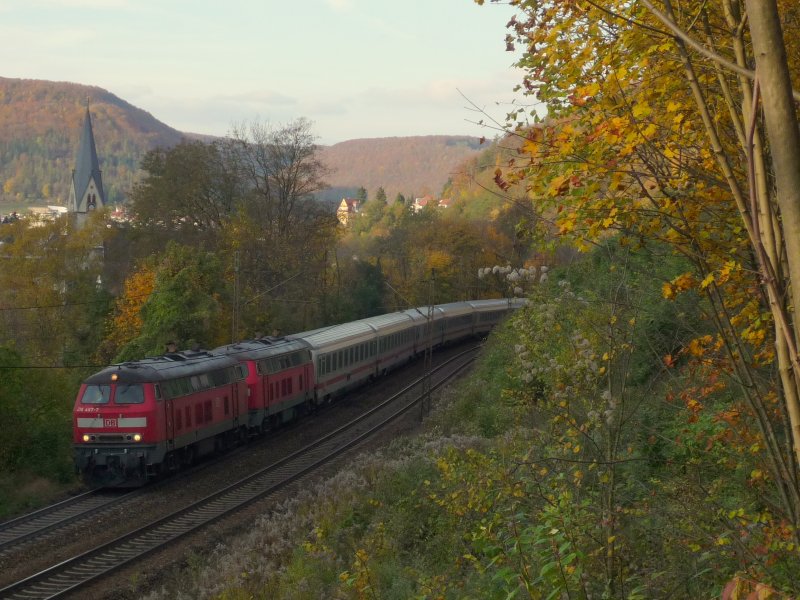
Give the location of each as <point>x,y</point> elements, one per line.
<point>85,437</point>
<point>137,437</point>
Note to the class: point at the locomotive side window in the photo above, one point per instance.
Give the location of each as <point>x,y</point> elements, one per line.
<point>96,394</point>
<point>208,411</point>
<point>157,389</point>
<point>129,394</point>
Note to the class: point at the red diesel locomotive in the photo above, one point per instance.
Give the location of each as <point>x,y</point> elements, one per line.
<point>280,379</point>
<point>135,419</point>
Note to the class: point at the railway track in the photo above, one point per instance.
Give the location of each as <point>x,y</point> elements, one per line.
<point>50,518</point>
<point>72,574</point>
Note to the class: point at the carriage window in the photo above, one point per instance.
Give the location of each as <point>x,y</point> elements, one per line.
<point>96,394</point>
<point>129,394</point>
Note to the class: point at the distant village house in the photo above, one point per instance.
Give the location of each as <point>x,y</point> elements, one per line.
<point>348,207</point>
<point>420,203</point>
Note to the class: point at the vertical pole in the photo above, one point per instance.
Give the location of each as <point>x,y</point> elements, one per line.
<point>235,316</point>
<point>425,405</point>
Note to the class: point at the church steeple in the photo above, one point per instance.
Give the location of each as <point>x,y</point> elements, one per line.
<point>86,193</point>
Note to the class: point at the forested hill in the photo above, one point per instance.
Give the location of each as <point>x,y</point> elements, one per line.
<point>416,165</point>
<point>41,123</point>
<point>40,127</point>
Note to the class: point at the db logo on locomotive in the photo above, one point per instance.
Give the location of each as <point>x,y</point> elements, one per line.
<point>110,423</point>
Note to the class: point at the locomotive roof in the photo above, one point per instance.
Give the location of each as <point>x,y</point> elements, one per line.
<point>161,368</point>
<point>261,348</point>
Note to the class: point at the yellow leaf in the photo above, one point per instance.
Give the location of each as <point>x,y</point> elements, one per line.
<point>650,130</point>
<point>641,110</point>
<point>707,281</point>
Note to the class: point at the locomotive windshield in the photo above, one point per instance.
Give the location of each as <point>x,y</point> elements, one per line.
<point>96,394</point>
<point>129,394</point>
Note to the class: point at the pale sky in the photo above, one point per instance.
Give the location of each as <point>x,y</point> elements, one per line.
<point>355,68</point>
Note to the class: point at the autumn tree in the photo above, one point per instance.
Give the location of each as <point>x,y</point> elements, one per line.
<point>280,169</point>
<point>181,298</point>
<point>659,130</point>
<point>189,188</point>
<point>51,292</point>
<point>282,235</point>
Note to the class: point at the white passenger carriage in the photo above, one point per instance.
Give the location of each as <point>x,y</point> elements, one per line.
<point>395,334</point>
<point>457,321</point>
<point>344,356</point>
<point>419,326</point>
<point>488,313</point>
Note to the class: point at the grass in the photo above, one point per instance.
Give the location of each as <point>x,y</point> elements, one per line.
<point>21,492</point>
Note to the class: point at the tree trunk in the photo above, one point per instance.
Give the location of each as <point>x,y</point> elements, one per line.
<point>780,117</point>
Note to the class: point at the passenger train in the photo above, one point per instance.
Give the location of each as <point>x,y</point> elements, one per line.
<point>136,420</point>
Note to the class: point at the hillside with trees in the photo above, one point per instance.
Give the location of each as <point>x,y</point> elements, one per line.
<point>412,166</point>
<point>40,127</point>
